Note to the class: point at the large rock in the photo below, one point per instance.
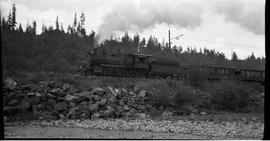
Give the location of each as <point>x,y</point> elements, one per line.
<point>126,107</point>
<point>96,115</point>
<point>119,109</point>
<point>60,98</point>
<point>49,95</point>
<point>34,94</point>
<point>87,95</point>
<point>55,84</point>
<point>112,91</point>
<point>71,104</point>
<point>51,101</point>
<point>96,98</point>
<point>103,102</point>
<point>73,111</point>
<point>60,106</point>
<point>66,87</point>
<point>56,91</point>
<point>94,107</point>
<point>167,114</point>
<point>142,93</point>
<point>107,113</point>
<point>72,90</point>
<point>84,103</point>
<point>70,98</point>
<point>44,84</point>
<point>24,105</point>
<point>98,91</point>
<point>32,87</point>
<point>10,83</point>
<point>13,102</point>
<point>33,100</point>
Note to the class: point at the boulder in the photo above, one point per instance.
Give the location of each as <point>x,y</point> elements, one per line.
<point>49,95</point>
<point>60,106</point>
<point>96,115</point>
<point>33,100</point>
<point>167,114</point>
<point>69,98</point>
<point>143,116</point>
<point>121,102</point>
<point>56,91</point>
<point>71,104</point>
<point>35,109</point>
<point>126,107</point>
<point>112,91</point>
<point>59,98</point>
<point>66,87</point>
<point>141,107</point>
<point>119,109</point>
<point>24,105</point>
<point>51,101</point>
<point>13,102</point>
<point>103,102</point>
<point>32,88</point>
<point>81,98</point>
<point>127,114</point>
<point>44,84</point>
<point>84,103</point>
<point>96,98</point>
<point>93,107</point>
<point>72,90</point>
<point>142,93</point>
<point>10,83</point>
<point>34,94</point>
<point>107,113</point>
<point>55,84</point>
<point>98,91</point>
<point>73,111</point>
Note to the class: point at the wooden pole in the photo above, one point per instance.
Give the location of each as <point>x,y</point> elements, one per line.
<point>169,39</point>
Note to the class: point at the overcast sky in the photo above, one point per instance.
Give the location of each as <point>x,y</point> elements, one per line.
<point>224,25</point>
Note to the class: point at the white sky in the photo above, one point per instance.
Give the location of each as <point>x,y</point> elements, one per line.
<point>223,25</point>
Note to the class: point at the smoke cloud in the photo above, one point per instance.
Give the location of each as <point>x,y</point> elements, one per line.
<point>141,15</point>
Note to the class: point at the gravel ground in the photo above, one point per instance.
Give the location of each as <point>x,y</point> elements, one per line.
<point>138,128</point>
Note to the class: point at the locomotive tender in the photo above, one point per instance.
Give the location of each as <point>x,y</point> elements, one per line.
<point>139,65</point>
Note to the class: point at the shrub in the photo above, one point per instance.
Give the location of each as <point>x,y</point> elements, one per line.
<point>239,97</point>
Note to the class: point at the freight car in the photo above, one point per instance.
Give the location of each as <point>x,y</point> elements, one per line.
<point>138,65</point>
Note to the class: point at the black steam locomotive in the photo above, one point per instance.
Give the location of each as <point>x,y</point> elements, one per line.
<point>139,65</point>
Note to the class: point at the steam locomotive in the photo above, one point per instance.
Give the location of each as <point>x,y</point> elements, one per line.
<point>139,65</point>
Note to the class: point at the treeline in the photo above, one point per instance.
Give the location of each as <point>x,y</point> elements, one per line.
<point>189,56</point>
<point>59,50</point>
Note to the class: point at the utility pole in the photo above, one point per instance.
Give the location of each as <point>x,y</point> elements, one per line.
<point>169,39</point>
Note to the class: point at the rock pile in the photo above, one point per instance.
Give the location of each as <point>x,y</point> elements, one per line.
<point>54,100</point>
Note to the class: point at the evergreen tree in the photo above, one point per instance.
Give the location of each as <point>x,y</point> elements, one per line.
<point>20,28</point>
<point>13,21</point>
<point>136,40</point>
<point>142,42</point>
<point>74,24</point>
<point>82,21</point>
<point>62,28</point>
<point>43,27</point>
<point>234,57</point>
<point>57,23</point>
<point>79,29</point>
<point>69,29</point>
<point>34,31</point>
<point>9,22</point>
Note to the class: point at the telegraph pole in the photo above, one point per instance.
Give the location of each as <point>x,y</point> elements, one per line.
<point>169,39</point>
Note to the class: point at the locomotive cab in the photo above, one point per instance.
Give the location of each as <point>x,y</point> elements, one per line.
<point>138,61</point>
